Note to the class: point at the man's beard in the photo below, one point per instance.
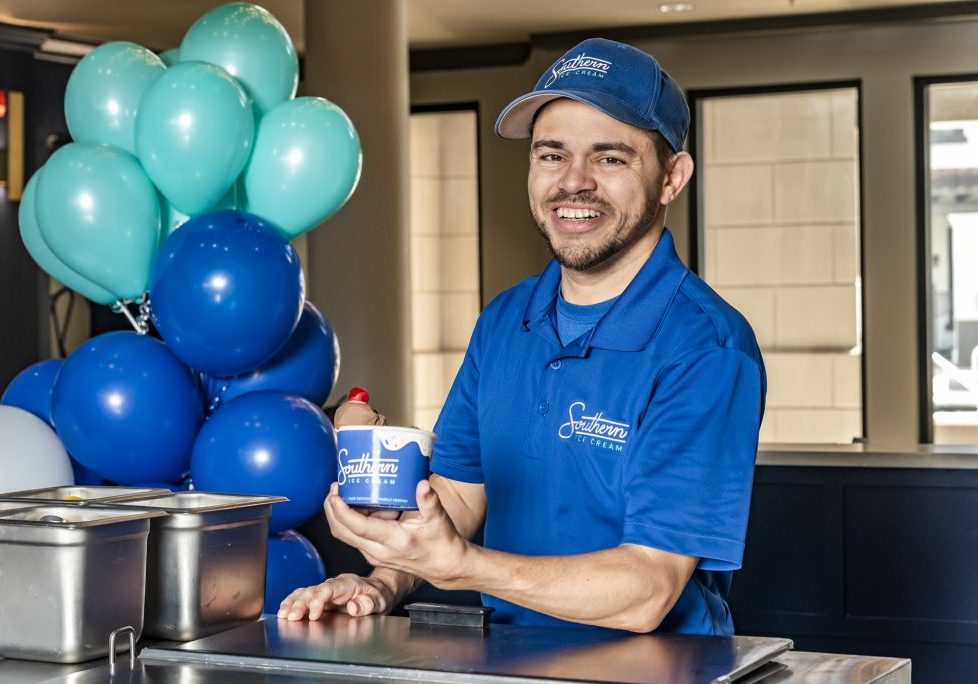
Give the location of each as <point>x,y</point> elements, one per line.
<point>588,259</point>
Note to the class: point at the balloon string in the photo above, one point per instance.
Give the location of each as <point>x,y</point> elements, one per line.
<point>145,313</point>
<point>140,325</point>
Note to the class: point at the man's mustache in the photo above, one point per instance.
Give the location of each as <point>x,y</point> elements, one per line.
<point>564,197</point>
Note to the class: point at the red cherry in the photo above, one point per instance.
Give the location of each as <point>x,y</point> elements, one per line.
<point>359,394</point>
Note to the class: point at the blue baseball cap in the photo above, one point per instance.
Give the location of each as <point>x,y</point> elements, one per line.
<point>617,79</point>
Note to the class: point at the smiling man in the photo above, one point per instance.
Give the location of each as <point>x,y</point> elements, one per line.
<point>604,422</point>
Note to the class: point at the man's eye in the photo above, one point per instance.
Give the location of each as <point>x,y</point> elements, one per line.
<point>611,161</point>
<point>550,156</point>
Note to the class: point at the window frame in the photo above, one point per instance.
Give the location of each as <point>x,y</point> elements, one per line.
<point>695,97</point>
<point>469,106</point>
<point>921,160</point>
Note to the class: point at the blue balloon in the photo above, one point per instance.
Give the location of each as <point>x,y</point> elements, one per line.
<point>31,389</point>
<point>268,443</point>
<point>172,486</point>
<point>226,292</point>
<point>84,476</point>
<point>126,408</point>
<point>307,366</point>
<point>293,562</point>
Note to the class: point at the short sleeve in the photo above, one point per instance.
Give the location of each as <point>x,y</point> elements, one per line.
<point>688,474</point>
<point>457,453</point>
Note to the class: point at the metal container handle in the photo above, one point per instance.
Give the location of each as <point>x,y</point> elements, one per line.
<point>132,645</point>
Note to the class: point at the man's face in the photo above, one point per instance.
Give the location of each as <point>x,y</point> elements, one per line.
<point>594,184</point>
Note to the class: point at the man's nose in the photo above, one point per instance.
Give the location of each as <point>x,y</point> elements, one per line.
<point>577,177</point>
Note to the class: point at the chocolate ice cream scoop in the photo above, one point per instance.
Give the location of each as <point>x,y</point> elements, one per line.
<point>356,410</point>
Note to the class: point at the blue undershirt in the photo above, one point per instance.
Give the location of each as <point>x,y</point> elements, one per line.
<point>573,320</point>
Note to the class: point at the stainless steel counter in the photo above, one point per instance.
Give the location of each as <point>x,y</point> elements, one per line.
<point>389,649</point>
<point>870,455</point>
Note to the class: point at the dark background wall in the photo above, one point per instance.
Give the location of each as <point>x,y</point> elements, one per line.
<point>872,561</point>
<point>24,336</point>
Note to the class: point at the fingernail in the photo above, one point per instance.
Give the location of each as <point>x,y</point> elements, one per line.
<point>283,613</point>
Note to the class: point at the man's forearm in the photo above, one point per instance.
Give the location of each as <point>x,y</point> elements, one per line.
<point>400,584</point>
<point>628,587</point>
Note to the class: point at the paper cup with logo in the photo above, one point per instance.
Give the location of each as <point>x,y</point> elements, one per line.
<point>380,466</point>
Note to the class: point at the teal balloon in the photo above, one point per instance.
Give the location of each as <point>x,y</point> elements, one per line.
<point>30,233</point>
<point>104,90</point>
<point>250,44</point>
<point>305,165</point>
<point>194,132</point>
<point>170,57</point>
<point>172,218</point>
<point>99,214</point>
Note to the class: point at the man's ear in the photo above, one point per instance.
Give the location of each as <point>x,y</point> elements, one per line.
<point>677,176</point>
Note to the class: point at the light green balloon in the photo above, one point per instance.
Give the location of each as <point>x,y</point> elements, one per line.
<point>194,132</point>
<point>99,214</point>
<point>104,90</point>
<point>170,57</point>
<point>305,165</point>
<point>171,219</point>
<point>30,233</point>
<point>250,44</point>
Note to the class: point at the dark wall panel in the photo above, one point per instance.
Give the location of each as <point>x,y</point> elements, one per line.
<point>800,586</point>
<point>870,561</point>
<point>938,526</point>
<point>23,286</point>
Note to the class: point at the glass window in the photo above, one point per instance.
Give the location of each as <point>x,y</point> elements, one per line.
<point>445,283</point>
<point>951,134</point>
<point>779,234</point>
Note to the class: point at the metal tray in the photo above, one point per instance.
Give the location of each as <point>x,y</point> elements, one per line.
<point>70,576</point>
<point>206,562</point>
<point>79,494</point>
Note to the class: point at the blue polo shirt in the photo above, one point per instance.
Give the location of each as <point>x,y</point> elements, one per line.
<point>641,431</point>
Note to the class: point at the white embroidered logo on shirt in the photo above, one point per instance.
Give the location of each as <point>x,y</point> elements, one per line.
<point>595,429</point>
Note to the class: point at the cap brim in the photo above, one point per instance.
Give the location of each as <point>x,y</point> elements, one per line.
<point>515,120</point>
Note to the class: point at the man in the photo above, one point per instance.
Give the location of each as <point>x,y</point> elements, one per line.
<point>604,421</point>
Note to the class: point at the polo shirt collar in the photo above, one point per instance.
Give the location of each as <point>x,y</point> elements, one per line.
<point>633,320</point>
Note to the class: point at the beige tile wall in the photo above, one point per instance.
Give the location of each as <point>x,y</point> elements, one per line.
<point>781,213</point>
<point>444,253</point>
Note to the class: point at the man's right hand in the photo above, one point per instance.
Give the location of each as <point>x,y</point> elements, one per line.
<point>345,593</point>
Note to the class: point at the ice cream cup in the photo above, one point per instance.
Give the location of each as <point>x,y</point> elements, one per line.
<point>380,466</point>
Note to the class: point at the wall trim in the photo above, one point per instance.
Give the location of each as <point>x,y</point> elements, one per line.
<point>514,54</point>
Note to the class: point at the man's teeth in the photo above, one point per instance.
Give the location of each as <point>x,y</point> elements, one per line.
<point>563,212</point>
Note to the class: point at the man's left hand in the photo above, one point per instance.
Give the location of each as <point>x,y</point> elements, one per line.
<point>425,544</point>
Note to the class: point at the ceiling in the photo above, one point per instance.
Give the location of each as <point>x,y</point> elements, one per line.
<point>431,23</point>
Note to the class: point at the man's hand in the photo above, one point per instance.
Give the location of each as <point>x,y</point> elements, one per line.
<point>425,544</point>
<point>346,593</point>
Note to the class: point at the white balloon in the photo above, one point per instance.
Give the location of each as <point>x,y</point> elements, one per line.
<point>31,454</point>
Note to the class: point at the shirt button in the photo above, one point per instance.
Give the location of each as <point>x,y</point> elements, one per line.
<point>544,406</point>
<point>555,364</point>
